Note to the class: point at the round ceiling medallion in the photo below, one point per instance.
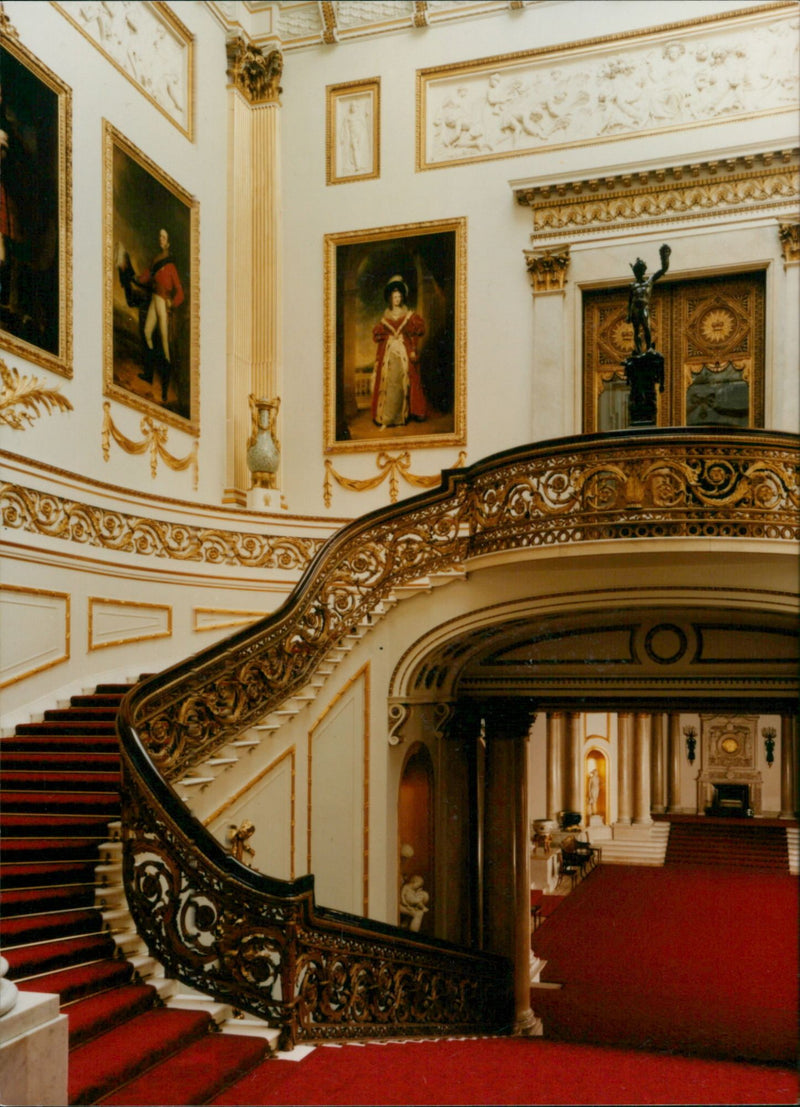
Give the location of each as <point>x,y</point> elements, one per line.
<point>665,643</point>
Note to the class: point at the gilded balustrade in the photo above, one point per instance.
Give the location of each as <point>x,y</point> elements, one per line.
<point>263,944</point>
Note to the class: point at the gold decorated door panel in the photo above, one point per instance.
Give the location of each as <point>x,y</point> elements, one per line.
<point>711,334</point>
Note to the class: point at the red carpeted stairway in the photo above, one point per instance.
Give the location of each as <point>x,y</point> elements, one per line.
<point>59,788</point>
<point>749,845</point>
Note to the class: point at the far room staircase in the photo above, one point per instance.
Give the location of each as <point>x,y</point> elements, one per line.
<point>751,845</point>
<point>64,928</point>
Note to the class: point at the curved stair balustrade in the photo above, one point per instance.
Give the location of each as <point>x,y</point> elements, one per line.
<point>263,944</point>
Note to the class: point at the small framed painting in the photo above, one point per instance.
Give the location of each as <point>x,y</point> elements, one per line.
<point>395,337</point>
<point>151,243</point>
<point>35,211</point>
<point>353,131</point>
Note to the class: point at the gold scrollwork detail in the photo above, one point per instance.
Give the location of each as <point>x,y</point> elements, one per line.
<point>389,465</point>
<point>22,398</point>
<point>46,513</point>
<point>790,242</point>
<point>154,441</point>
<point>548,270</point>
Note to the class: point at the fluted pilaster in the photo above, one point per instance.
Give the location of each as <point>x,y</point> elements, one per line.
<point>624,768</point>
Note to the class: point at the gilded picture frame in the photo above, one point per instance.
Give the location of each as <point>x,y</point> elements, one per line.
<point>353,146</point>
<point>148,45</point>
<point>151,287</point>
<point>395,337</point>
<point>36,182</point>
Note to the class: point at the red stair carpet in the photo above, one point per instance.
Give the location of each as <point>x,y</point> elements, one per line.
<point>693,959</point>
<point>59,787</point>
<point>742,844</point>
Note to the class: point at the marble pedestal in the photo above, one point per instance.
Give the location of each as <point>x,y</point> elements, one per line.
<point>544,872</point>
<point>33,1052</point>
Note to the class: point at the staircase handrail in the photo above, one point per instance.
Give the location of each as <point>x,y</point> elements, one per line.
<point>263,944</point>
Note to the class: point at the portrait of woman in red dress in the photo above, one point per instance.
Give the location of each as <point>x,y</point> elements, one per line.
<point>397,394</point>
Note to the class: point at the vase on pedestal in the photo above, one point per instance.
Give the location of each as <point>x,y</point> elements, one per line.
<point>263,455</point>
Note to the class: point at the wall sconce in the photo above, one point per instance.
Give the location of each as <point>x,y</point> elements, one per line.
<point>691,742</point>
<point>768,734</point>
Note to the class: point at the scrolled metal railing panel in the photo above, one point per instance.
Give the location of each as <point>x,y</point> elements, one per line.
<point>260,943</point>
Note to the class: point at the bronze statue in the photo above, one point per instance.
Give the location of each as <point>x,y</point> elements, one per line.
<point>639,300</point>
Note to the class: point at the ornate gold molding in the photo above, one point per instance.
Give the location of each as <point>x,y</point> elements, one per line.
<point>257,75</point>
<point>547,270</point>
<point>29,395</point>
<point>710,188</point>
<point>155,437</point>
<point>790,242</point>
<point>391,466</point>
<point>45,513</point>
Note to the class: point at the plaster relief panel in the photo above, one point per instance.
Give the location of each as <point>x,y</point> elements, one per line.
<point>672,77</point>
<point>148,43</point>
<point>36,631</point>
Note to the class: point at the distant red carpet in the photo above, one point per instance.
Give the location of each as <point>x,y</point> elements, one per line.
<point>505,1070</point>
<point>687,959</point>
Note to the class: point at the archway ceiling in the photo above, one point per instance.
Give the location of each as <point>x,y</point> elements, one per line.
<point>665,652</point>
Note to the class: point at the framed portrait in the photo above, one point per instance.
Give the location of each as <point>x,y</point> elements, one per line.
<point>395,337</point>
<point>353,131</point>
<point>151,244</point>
<point>35,211</point>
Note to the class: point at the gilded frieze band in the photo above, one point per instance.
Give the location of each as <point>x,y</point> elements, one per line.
<point>726,188</point>
<point>45,513</point>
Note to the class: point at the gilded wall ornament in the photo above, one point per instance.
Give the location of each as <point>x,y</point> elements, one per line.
<point>257,75</point>
<point>391,466</point>
<point>24,399</point>
<point>790,242</point>
<point>153,442</point>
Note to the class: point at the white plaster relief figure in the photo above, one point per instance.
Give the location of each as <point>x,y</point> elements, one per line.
<point>355,138</point>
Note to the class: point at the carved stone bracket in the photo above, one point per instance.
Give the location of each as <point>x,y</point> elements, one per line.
<point>547,270</point>
<point>154,442</point>
<point>257,75</point>
<point>790,242</point>
<point>398,717</point>
<point>391,466</point>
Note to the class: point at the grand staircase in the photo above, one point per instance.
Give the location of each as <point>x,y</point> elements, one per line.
<point>750,846</point>
<point>64,928</point>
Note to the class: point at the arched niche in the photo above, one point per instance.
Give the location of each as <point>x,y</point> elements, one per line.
<point>415,834</point>
<point>596,782</point>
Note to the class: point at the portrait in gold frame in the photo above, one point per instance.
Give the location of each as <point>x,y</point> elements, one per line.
<point>395,337</point>
<point>151,287</point>
<point>36,265</point>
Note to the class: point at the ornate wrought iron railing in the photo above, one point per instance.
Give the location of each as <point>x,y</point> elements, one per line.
<point>264,944</point>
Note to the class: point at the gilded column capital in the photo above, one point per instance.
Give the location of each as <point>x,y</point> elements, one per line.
<point>256,74</point>
<point>790,242</point>
<point>547,269</point>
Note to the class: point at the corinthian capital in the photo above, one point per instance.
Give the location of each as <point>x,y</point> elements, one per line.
<point>256,74</point>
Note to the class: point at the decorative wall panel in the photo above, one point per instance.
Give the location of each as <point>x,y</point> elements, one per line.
<point>122,622</point>
<point>36,631</point>
<point>338,790</point>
